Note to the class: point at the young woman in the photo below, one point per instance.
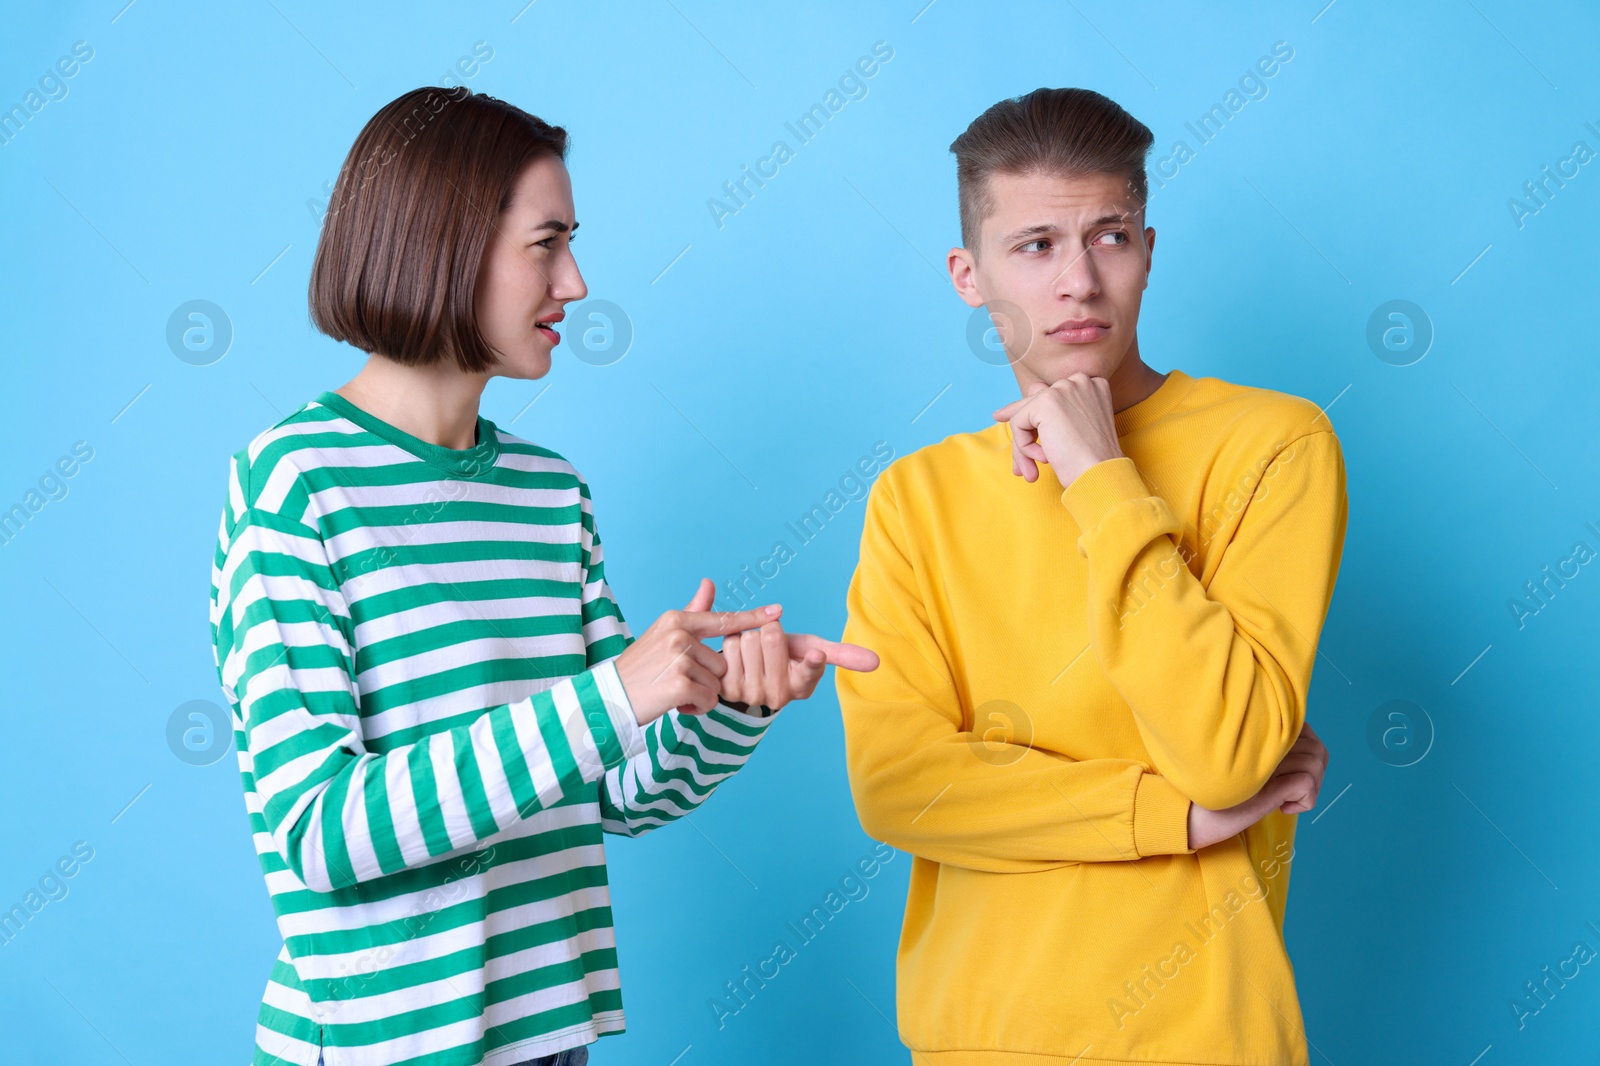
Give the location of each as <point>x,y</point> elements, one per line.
<point>437,704</point>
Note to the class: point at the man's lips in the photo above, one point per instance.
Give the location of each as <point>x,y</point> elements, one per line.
<point>1079,331</point>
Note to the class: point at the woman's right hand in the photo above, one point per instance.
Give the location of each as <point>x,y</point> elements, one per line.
<point>668,668</point>
<point>1292,789</point>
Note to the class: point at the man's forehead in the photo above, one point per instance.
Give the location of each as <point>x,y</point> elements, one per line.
<point>1037,201</point>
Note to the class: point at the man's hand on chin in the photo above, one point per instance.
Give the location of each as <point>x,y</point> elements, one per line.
<point>1067,425</point>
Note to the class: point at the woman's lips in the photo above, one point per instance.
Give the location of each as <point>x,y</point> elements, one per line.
<point>549,334</point>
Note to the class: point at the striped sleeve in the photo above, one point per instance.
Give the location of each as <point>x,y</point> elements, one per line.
<point>338,814</point>
<point>684,756</point>
<point>605,634</point>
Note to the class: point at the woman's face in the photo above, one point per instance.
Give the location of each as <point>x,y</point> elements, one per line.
<point>528,273</point>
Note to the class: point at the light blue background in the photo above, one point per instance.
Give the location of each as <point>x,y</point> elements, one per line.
<point>771,355</point>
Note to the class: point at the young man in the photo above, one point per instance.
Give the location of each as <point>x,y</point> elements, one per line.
<point>1097,620</point>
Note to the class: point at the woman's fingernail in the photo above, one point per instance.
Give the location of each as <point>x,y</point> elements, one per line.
<point>772,609</point>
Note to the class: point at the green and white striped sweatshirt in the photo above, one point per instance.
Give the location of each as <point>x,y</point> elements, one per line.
<point>417,643</point>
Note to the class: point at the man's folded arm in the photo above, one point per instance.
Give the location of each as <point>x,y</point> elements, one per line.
<point>925,785</point>
<point>1216,674</point>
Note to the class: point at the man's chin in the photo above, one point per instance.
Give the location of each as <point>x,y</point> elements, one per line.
<point>1051,361</point>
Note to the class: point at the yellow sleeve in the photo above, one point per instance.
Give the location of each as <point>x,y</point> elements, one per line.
<point>1216,675</point>
<point>925,785</point>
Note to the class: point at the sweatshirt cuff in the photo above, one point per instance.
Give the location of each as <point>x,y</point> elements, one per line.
<point>1100,488</point>
<point>624,723</point>
<point>1160,818</point>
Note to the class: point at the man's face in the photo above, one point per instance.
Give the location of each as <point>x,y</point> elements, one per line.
<point>528,272</point>
<point>1062,265</point>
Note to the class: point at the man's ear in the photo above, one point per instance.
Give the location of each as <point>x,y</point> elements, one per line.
<point>963,275</point>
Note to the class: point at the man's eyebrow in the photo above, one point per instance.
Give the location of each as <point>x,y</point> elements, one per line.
<point>1048,227</point>
<point>1031,231</point>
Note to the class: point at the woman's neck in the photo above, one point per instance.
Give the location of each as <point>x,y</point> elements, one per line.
<point>438,404</point>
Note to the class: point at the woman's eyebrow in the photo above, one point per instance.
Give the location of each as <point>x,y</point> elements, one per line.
<point>554,224</point>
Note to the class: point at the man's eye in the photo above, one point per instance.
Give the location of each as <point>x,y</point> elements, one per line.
<point>1041,241</point>
<point>1118,233</point>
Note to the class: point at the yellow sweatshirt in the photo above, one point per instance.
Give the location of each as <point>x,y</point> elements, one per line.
<point>1062,673</point>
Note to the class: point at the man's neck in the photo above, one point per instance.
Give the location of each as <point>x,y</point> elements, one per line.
<point>1131,382</point>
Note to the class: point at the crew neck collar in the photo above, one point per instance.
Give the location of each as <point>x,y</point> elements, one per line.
<point>1159,403</point>
<point>473,462</point>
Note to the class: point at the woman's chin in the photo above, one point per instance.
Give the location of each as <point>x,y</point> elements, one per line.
<point>525,366</point>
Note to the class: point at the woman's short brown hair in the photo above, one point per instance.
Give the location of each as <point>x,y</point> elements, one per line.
<point>413,208</point>
<point>1070,132</point>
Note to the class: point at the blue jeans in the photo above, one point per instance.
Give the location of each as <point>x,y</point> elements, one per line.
<point>572,1056</point>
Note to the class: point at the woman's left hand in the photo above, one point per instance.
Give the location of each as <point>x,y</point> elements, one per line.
<point>768,667</point>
